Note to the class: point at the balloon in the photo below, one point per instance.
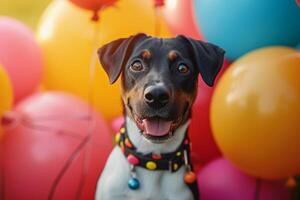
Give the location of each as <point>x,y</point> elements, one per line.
<point>48,127</point>
<point>6,96</point>
<point>94,5</point>
<point>180,18</point>
<point>204,147</point>
<point>117,123</point>
<point>221,180</point>
<point>66,36</point>
<point>242,26</point>
<point>27,11</point>
<point>255,113</point>
<point>21,56</point>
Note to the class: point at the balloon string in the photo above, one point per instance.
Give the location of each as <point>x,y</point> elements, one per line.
<point>257,189</point>
<point>90,130</point>
<point>66,166</point>
<point>92,122</point>
<point>69,133</point>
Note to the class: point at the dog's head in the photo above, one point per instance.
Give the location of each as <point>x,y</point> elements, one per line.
<point>159,78</point>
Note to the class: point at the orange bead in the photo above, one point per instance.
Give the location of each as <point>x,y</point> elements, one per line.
<point>291,182</point>
<point>128,143</point>
<point>190,177</point>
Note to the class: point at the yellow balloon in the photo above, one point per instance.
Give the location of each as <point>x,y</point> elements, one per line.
<point>67,36</point>
<point>255,113</point>
<point>27,11</point>
<point>6,96</point>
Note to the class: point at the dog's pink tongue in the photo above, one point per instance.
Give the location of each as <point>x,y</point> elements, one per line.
<point>156,127</point>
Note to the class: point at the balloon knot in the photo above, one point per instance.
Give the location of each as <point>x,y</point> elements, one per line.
<point>95,16</point>
<point>159,3</point>
<point>8,119</point>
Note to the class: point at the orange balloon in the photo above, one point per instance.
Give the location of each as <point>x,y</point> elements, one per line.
<point>68,38</point>
<point>256,110</point>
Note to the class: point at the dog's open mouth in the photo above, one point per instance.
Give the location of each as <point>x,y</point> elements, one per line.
<point>156,129</point>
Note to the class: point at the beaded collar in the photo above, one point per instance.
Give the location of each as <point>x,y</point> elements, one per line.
<point>167,161</point>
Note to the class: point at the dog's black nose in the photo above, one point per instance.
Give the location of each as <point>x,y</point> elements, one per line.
<point>156,96</point>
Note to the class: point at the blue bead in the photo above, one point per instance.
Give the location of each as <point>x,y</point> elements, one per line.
<point>133,183</point>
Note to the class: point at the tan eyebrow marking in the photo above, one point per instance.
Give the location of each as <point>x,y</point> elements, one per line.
<point>172,55</point>
<point>146,54</point>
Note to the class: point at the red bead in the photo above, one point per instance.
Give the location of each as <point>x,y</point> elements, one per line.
<point>190,177</point>
<point>156,156</point>
<point>132,159</point>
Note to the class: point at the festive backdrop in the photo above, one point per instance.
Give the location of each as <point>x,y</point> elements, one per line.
<point>58,113</point>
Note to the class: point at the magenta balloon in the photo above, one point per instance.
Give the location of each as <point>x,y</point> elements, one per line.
<point>21,56</point>
<point>220,180</point>
<point>54,124</point>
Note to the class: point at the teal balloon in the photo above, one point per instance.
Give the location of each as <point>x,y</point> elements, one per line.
<point>240,26</point>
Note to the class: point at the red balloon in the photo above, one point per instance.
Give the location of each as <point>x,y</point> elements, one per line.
<point>48,128</point>
<point>179,15</point>
<point>93,5</point>
<point>204,147</point>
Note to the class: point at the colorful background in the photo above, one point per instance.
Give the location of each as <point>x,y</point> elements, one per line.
<point>58,114</point>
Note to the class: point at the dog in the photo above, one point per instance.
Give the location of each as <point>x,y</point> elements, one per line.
<point>159,85</point>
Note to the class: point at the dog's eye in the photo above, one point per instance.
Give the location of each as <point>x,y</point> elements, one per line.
<point>136,66</point>
<point>183,69</point>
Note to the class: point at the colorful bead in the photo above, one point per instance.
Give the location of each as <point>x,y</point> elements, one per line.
<point>186,141</point>
<point>291,182</point>
<point>175,166</point>
<point>117,138</point>
<point>190,177</point>
<point>122,130</point>
<point>178,153</point>
<point>151,165</point>
<point>128,143</point>
<point>156,156</point>
<point>132,159</point>
<point>133,183</point>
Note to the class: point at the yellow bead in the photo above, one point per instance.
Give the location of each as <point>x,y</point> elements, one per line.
<point>122,130</point>
<point>175,166</point>
<point>117,138</point>
<point>151,165</point>
<point>178,153</point>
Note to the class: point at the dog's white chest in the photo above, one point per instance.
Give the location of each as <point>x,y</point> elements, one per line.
<point>155,185</point>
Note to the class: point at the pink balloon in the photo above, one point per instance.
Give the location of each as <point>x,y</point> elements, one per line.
<point>21,56</point>
<point>179,15</point>
<point>204,148</point>
<point>220,180</point>
<point>48,127</point>
<point>117,123</point>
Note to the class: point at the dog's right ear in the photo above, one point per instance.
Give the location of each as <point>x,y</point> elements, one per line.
<point>114,55</point>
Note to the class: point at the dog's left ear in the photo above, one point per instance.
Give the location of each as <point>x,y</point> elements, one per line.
<point>114,55</point>
<point>208,58</point>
